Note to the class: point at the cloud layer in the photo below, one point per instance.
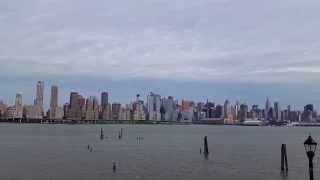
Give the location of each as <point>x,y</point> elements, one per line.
<point>247,40</point>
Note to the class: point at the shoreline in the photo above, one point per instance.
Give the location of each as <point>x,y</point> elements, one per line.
<point>146,122</point>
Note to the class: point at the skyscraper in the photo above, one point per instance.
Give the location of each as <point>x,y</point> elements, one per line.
<point>153,106</point>
<point>243,112</point>
<point>76,106</point>
<point>54,96</point>
<point>266,110</point>
<point>55,111</point>
<point>39,94</point>
<point>104,99</point>
<point>227,113</point>
<point>19,107</point>
<point>277,111</point>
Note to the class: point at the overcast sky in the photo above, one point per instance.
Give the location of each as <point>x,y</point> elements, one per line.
<point>271,47</point>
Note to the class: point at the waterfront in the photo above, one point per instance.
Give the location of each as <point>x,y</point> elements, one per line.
<point>57,151</point>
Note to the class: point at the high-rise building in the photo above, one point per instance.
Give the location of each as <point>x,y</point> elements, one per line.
<point>92,108</point>
<point>138,110</point>
<point>104,99</point>
<point>77,106</point>
<point>267,110</point>
<point>116,107</point>
<point>228,119</point>
<point>185,105</point>
<point>153,106</point>
<point>3,110</point>
<point>55,112</point>
<point>307,115</point>
<point>219,111</point>
<point>39,94</point>
<point>19,107</point>
<point>277,111</point>
<point>243,112</point>
<point>170,107</point>
<point>54,96</point>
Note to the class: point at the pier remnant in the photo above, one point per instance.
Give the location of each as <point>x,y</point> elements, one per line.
<point>101,134</point>
<point>284,159</point>
<point>206,149</point>
<point>114,167</point>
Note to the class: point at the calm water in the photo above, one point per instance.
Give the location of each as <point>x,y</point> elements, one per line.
<point>40,152</point>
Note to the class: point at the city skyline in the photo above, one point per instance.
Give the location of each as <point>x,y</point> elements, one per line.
<point>49,96</point>
<point>124,95</point>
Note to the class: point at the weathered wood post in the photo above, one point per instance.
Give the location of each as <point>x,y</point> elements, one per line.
<point>284,159</point>
<point>101,134</point>
<point>206,149</point>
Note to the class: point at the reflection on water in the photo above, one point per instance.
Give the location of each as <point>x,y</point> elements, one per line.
<point>66,152</point>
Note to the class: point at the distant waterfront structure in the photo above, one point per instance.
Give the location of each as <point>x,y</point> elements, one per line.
<point>267,110</point>
<point>92,108</point>
<point>170,108</point>
<point>104,99</point>
<point>55,112</point>
<point>87,109</point>
<point>228,119</point>
<point>116,107</point>
<point>138,110</point>
<point>3,110</point>
<point>153,106</point>
<point>19,106</point>
<point>243,113</point>
<point>39,94</point>
<point>76,106</point>
<point>277,111</point>
<point>219,111</point>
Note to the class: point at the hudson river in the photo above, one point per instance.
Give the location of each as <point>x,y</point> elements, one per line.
<point>164,152</point>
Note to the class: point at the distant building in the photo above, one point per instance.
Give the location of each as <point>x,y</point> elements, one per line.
<point>185,105</point>
<point>219,111</point>
<point>267,110</point>
<point>243,112</point>
<point>228,119</point>
<point>153,106</point>
<point>55,112</point>
<point>170,108</point>
<point>3,110</point>
<point>277,111</point>
<point>106,112</point>
<point>31,112</point>
<point>19,107</point>
<point>104,99</point>
<point>76,107</point>
<point>39,95</point>
<point>116,107</point>
<point>307,115</point>
<point>92,108</point>
<point>138,110</point>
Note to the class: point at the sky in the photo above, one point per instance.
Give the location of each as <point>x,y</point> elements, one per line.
<point>218,49</point>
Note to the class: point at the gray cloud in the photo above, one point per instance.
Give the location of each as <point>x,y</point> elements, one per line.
<point>251,41</point>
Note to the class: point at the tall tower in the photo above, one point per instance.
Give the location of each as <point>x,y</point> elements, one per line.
<point>39,94</point>
<point>267,109</point>
<point>154,105</point>
<point>54,97</point>
<point>54,102</point>
<point>18,106</point>
<point>277,111</point>
<point>104,99</point>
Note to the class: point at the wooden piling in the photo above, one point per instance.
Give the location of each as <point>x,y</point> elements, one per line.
<point>206,149</point>
<point>101,134</point>
<point>284,158</point>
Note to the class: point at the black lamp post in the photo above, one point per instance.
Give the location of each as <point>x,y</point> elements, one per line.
<point>310,146</point>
